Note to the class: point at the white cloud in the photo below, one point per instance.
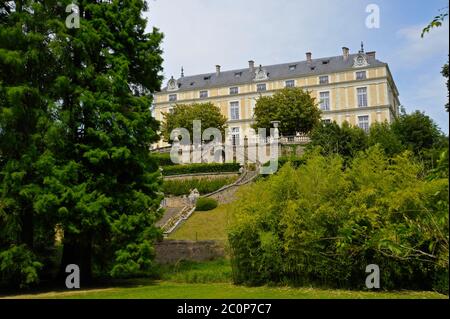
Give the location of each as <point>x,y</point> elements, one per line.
<point>414,50</point>
<point>202,33</point>
<point>428,93</point>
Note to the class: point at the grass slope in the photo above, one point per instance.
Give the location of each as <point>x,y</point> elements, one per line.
<point>209,225</point>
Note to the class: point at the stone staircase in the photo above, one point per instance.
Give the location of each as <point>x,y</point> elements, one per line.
<point>175,216</point>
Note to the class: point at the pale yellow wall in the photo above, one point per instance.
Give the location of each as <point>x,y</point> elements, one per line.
<point>342,87</point>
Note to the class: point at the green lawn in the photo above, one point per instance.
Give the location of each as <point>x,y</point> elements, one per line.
<point>168,290</point>
<point>209,225</point>
<point>212,280</point>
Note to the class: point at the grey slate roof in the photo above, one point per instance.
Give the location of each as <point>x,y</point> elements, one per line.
<point>275,72</point>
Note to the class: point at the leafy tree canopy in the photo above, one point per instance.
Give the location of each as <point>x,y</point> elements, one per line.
<point>416,131</point>
<point>75,128</point>
<point>183,116</point>
<point>296,110</point>
<point>345,140</point>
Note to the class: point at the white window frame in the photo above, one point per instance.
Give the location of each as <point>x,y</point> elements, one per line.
<point>360,71</point>
<point>203,97</point>
<point>233,105</point>
<point>260,84</point>
<point>329,100</point>
<point>368,122</point>
<point>323,76</point>
<point>291,81</point>
<point>233,87</point>
<point>357,96</point>
<point>327,120</point>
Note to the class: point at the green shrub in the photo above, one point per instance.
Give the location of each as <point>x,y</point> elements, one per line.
<point>440,283</point>
<point>295,161</point>
<point>200,168</point>
<point>162,159</point>
<point>205,204</point>
<point>19,267</point>
<point>323,223</point>
<point>203,185</point>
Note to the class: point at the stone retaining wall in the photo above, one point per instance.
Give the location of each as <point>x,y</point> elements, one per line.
<point>172,251</point>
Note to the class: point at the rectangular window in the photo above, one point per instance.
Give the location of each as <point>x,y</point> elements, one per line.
<point>235,135</point>
<point>362,97</point>
<point>323,79</point>
<point>203,94</point>
<point>234,110</point>
<point>172,97</point>
<point>363,123</point>
<point>234,90</point>
<point>261,87</point>
<point>292,67</point>
<point>290,83</point>
<point>361,75</point>
<point>325,101</point>
<point>326,121</point>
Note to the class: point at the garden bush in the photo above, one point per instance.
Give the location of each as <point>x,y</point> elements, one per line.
<point>205,204</point>
<point>323,223</point>
<point>203,185</point>
<point>163,159</point>
<point>201,168</point>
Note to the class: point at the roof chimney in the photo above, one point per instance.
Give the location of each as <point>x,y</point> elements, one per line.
<point>345,53</point>
<point>308,56</point>
<point>251,65</point>
<point>217,70</point>
<point>371,54</point>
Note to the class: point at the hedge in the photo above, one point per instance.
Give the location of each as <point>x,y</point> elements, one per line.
<point>200,168</point>
<point>205,204</point>
<point>203,185</point>
<point>162,159</point>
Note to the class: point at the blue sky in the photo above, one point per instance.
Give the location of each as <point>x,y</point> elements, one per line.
<point>202,33</point>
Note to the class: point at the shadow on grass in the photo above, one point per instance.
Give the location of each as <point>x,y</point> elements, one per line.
<point>216,271</point>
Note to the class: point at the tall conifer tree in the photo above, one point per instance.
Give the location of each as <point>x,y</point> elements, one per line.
<point>95,178</point>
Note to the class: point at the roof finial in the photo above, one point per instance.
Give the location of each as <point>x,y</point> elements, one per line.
<point>362,47</point>
<point>182,72</point>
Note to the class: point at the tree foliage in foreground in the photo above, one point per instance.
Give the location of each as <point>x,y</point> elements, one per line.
<point>183,116</point>
<point>345,140</point>
<point>321,224</point>
<point>75,129</point>
<point>296,110</point>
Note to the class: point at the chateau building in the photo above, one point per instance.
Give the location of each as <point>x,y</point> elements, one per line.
<point>357,88</point>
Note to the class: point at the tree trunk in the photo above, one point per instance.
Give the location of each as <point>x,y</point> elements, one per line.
<point>27,231</point>
<point>77,250</point>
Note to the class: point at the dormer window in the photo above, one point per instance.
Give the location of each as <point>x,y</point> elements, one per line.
<point>238,74</point>
<point>172,85</point>
<point>192,83</point>
<point>292,67</point>
<point>206,78</point>
<point>325,62</point>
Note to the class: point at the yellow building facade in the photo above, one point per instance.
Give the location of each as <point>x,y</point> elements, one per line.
<point>356,88</point>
